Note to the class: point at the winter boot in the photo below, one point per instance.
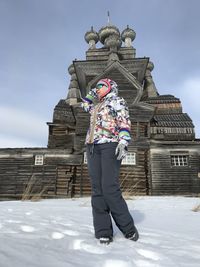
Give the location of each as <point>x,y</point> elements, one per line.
<point>134,235</point>
<point>106,240</point>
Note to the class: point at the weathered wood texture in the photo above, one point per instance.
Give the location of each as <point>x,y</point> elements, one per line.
<point>62,177</point>
<point>176,180</point>
<point>62,129</point>
<point>19,176</point>
<point>134,179</point>
<point>103,53</point>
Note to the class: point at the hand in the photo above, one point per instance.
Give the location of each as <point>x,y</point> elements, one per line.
<point>92,93</point>
<point>121,151</point>
<point>88,100</point>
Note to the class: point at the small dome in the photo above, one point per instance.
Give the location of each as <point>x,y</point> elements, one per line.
<point>71,69</point>
<point>112,41</point>
<point>128,33</point>
<point>91,35</point>
<point>150,66</point>
<point>104,32</point>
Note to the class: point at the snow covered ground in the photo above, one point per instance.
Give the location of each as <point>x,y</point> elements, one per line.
<point>59,233</point>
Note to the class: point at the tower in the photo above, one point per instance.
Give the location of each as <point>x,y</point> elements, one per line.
<point>157,120</point>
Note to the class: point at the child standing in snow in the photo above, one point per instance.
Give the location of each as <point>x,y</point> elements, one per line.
<point>106,144</point>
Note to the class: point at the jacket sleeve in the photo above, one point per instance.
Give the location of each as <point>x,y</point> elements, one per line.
<point>123,121</point>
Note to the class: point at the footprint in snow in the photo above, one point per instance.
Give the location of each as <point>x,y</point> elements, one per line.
<point>151,234</point>
<point>66,224</point>
<point>27,228</point>
<point>13,221</point>
<point>70,232</point>
<point>10,210</point>
<point>43,223</point>
<point>151,241</point>
<point>28,213</point>
<point>57,235</point>
<point>149,254</point>
<point>76,244</point>
<point>79,244</point>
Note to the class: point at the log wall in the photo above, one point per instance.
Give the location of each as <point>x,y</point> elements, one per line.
<point>134,179</point>
<point>175,180</point>
<point>21,178</point>
<point>61,175</point>
<point>65,175</point>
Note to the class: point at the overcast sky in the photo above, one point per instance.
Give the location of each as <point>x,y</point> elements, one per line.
<point>39,39</point>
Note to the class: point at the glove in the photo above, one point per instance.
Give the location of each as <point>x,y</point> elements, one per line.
<point>91,95</point>
<point>87,101</point>
<point>121,151</point>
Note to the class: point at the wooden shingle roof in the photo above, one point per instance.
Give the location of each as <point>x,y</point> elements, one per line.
<point>172,120</point>
<point>163,99</point>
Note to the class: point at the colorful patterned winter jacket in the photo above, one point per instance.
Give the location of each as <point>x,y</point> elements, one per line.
<point>109,120</point>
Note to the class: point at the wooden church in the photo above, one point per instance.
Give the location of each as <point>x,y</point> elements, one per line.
<point>163,158</point>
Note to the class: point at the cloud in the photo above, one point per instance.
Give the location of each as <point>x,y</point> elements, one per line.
<point>189,94</point>
<point>21,128</point>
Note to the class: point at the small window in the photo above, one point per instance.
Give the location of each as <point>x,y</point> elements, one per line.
<point>179,160</point>
<point>39,159</point>
<point>130,159</point>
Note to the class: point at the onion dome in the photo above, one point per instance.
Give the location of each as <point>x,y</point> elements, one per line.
<point>91,36</point>
<point>71,69</point>
<point>150,66</point>
<point>113,41</point>
<point>128,35</point>
<point>106,31</point>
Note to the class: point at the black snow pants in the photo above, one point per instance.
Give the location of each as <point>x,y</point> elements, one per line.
<point>107,199</point>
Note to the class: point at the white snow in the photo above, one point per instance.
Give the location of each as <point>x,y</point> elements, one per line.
<point>59,233</point>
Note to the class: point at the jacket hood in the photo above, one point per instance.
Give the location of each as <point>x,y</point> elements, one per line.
<point>112,87</point>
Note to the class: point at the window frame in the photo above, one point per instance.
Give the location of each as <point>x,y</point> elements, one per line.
<point>39,160</point>
<point>179,160</point>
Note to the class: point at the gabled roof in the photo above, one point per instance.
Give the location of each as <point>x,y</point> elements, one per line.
<point>122,76</point>
<point>86,70</point>
<point>123,70</point>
